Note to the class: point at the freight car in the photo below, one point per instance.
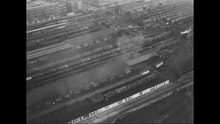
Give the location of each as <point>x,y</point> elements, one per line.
<point>42,77</point>
<point>109,94</point>
<point>60,37</point>
<point>129,86</point>
<point>121,89</point>
<point>151,88</point>
<point>132,85</point>
<point>97,98</point>
<point>140,59</point>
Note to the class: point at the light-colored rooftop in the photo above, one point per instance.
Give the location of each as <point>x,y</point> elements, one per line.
<point>39,3</point>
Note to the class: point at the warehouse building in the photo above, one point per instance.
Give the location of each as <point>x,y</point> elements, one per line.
<point>107,3</point>
<point>40,11</point>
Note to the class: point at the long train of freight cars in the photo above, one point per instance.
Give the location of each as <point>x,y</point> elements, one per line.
<point>68,70</point>
<point>97,53</point>
<point>62,19</point>
<point>153,38</point>
<point>60,37</point>
<point>82,65</point>
<point>138,80</point>
<point>147,75</point>
<point>144,48</point>
<point>147,40</point>
<point>84,57</point>
<point>180,7</point>
<point>42,28</point>
<point>32,55</point>
<point>63,31</point>
<point>125,100</point>
<point>80,68</point>
<point>162,11</point>
<point>60,28</point>
<point>173,12</point>
<point>172,15</point>
<point>166,8</point>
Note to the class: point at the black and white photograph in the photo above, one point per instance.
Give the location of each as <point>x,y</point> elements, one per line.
<point>109,61</point>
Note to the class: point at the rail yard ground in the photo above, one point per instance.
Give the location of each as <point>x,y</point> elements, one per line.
<point>108,50</point>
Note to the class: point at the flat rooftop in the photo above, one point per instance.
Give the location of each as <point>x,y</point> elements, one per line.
<point>37,4</point>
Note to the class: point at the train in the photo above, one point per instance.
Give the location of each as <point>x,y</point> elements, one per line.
<point>46,76</point>
<point>60,37</point>
<point>92,54</point>
<point>106,95</point>
<point>96,98</point>
<point>75,66</point>
<point>40,28</point>
<point>148,39</point>
<point>140,59</point>
<point>121,89</point>
<point>125,100</point>
<point>53,30</point>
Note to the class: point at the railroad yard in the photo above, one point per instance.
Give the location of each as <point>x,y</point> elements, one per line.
<point>80,63</point>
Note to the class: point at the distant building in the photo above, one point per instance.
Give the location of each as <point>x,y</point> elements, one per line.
<point>39,11</point>
<point>74,5</point>
<point>107,3</point>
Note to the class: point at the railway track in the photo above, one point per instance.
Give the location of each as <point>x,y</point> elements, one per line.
<point>172,9</point>
<point>71,70</point>
<point>59,74</point>
<point>55,30</point>
<point>54,40</point>
<point>80,67</point>
<point>79,59</point>
<point>65,35</point>
<point>57,21</point>
<point>48,50</point>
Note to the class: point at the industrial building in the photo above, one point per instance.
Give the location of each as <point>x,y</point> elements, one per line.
<point>107,3</point>
<point>40,11</point>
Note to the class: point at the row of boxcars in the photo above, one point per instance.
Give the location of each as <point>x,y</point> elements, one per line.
<point>121,89</point>
<point>84,58</point>
<point>60,37</point>
<point>145,76</point>
<point>165,9</point>
<point>106,95</point>
<point>45,27</point>
<point>150,89</point>
<point>80,62</point>
<point>148,39</point>
<point>138,80</point>
<point>107,50</point>
<point>63,70</point>
<point>51,30</point>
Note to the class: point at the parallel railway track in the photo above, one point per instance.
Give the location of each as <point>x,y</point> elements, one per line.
<point>70,70</point>
<point>54,40</point>
<point>79,67</point>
